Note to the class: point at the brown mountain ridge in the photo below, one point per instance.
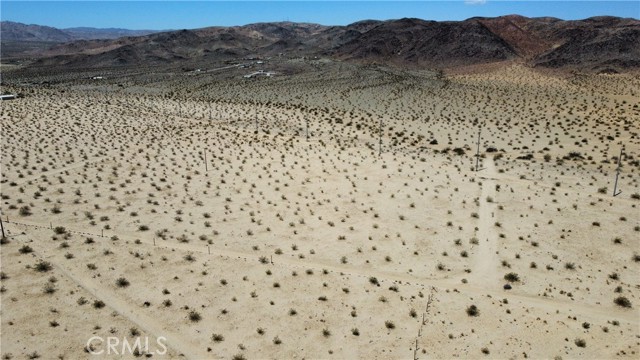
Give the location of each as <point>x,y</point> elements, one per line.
<point>606,44</point>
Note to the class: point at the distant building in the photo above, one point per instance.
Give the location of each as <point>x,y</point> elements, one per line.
<point>8,97</point>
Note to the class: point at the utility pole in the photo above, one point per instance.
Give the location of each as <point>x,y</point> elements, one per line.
<point>205,161</point>
<point>380,142</point>
<point>255,114</point>
<point>615,186</point>
<point>478,151</point>
<point>307,121</point>
<point>2,227</point>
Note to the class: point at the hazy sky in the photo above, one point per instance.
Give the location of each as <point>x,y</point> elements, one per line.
<point>159,15</point>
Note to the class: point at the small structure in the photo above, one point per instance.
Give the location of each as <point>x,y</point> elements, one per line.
<point>8,97</point>
<point>258,73</point>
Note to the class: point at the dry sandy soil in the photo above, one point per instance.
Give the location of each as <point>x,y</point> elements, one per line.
<point>194,207</point>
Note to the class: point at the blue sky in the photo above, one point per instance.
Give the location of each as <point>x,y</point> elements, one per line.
<point>194,14</point>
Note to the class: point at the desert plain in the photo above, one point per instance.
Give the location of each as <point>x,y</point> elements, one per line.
<point>329,210</point>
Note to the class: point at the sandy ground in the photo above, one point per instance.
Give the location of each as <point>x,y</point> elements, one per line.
<point>212,221</point>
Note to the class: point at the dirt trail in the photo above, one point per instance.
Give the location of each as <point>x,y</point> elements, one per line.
<point>486,261</point>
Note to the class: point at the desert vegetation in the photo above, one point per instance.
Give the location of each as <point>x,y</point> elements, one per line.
<point>155,202</point>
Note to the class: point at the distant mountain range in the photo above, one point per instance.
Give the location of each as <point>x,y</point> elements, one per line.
<point>596,44</point>
<point>14,31</point>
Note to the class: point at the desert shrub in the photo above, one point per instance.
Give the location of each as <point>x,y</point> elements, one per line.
<point>622,301</point>
<point>580,343</point>
<point>25,211</point>
<point>43,266</point>
<point>26,249</point>
<point>217,337</point>
<point>473,311</point>
<point>59,230</point>
<point>194,316</point>
<point>122,282</point>
<point>512,277</point>
<point>389,324</point>
<point>49,288</point>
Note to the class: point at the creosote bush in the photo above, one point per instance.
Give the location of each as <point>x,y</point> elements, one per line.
<point>473,311</point>
<point>194,316</point>
<point>122,282</point>
<point>389,325</point>
<point>622,301</point>
<point>43,266</point>
<point>512,277</point>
